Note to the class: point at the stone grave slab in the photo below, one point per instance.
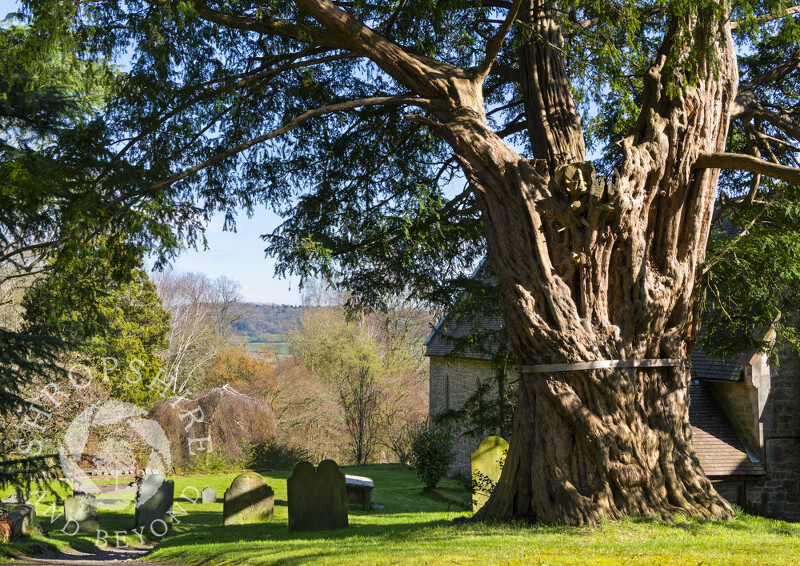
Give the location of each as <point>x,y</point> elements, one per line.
<point>486,467</point>
<point>359,491</point>
<point>317,497</point>
<point>248,500</point>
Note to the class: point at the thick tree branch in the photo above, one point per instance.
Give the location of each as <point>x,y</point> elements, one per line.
<point>770,17</point>
<point>266,25</point>
<point>422,75</point>
<point>554,124</point>
<point>776,73</point>
<point>494,44</point>
<point>742,162</point>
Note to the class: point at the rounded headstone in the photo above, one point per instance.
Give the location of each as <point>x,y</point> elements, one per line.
<point>317,498</point>
<point>248,500</point>
<point>154,498</point>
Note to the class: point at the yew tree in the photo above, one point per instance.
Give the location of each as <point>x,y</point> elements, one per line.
<point>404,139</point>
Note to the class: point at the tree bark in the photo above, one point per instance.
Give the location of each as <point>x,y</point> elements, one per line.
<point>554,125</point>
<point>591,270</point>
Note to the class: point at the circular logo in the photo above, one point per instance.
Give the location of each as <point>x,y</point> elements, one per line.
<point>122,439</point>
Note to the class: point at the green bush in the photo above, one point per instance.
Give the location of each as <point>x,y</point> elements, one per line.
<point>215,461</point>
<point>276,456</point>
<point>431,455</point>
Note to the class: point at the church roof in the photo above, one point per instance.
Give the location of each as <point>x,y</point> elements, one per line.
<point>721,451</point>
<point>449,338</point>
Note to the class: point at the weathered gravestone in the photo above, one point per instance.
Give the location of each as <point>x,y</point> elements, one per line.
<point>154,498</point>
<point>248,500</point>
<point>359,491</point>
<point>487,463</point>
<point>209,495</point>
<point>317,497</point>
<point>80,513</point>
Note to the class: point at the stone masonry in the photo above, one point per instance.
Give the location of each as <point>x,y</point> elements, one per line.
<point>452,382</point>
<point>781,491</point>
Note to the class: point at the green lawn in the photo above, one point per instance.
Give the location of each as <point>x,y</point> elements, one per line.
<point>417,529</point>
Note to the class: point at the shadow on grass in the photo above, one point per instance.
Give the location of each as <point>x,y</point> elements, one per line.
<point>279,532</point>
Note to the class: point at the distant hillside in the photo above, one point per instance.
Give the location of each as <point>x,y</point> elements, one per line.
<point>256,320</point>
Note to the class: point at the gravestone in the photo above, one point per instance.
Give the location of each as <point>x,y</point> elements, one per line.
<point>80,512</point>
<point>486,467</point>
<point>248,500</point>
<point>359,491</point>
<point>154,498</point>
<point>317,497</point>
<point>209,495</point>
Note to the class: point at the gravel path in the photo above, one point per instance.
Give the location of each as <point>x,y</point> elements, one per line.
<point>103,557</point>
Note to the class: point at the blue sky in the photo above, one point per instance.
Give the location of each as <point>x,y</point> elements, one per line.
<point>239,255</point>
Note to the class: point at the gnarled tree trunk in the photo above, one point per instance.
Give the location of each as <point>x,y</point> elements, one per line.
<point>589,271</point>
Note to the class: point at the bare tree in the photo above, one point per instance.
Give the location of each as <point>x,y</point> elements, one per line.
<point>201,312</point>
<point>360,400</point>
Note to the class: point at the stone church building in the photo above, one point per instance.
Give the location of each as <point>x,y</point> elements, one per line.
<point>745,417</point>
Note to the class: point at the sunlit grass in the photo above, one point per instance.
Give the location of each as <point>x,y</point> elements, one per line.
<point>416,529</point>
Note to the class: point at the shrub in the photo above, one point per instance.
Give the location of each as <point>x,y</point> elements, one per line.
<point>276,456</point>
<point>214,461</point>
<point>431,455</point>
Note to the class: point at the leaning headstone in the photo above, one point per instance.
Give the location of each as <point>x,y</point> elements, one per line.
<point>80,513</point>
<point>317,497</point>
<point>359,491</point>
<point>487,463</point>
<point>248,500</point>
<point>154,498</point>
<point>209,495</point>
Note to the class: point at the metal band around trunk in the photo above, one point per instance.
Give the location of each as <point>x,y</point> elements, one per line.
<point>602,364</point>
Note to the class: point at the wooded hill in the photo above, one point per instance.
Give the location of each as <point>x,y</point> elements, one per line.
<point>257,319</point>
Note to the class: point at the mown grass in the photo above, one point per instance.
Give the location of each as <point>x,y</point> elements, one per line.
<point>417,529</point>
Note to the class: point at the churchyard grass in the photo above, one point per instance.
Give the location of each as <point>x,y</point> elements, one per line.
<point>417,529</point>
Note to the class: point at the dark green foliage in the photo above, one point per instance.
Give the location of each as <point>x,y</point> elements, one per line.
<point>373,201</point>
<point>53,205</point>
<point>754,278</point>
<point>431,455</point>
<point>276,456</point>
<point>124,324</point>
<point>23,474</point>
